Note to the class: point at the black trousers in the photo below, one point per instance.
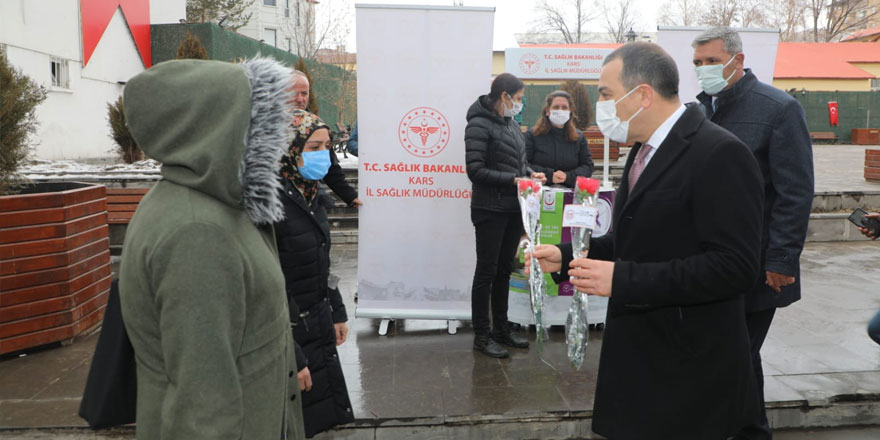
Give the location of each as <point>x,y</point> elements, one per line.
<point>497,236</point>
<point>758,324</point>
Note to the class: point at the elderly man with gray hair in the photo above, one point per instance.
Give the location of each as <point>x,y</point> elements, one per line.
<point>772,124</point>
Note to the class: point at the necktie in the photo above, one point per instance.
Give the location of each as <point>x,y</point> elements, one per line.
<point>638,165</point>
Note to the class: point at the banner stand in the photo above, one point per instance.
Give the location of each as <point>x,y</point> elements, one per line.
<point>416,81</point>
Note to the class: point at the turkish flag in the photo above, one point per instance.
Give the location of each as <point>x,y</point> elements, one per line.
<point>832,114</point>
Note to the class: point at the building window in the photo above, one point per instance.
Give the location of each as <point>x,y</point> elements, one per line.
<point>297,14</point>
<point>269,36</point>
<point>287,8</point>
<point>59,69</point>
<point>268,2</point>
<point>875,84</point>
<point>289,45</point>
<point>3,51</point>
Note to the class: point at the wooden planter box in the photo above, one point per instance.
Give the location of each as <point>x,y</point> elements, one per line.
<point>54,263</point>
<point>872,164</point>
<point>596,142</point>
<point>866,136</point>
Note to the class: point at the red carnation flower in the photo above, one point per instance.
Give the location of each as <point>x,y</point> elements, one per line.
<point>586,184</point>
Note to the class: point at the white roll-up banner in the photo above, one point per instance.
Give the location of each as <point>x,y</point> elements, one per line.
<point>419,69</point>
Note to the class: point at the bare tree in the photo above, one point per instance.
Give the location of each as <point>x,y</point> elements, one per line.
<point>721,13</point>
<point>790,17</point>
<point>315,26</point>
<point>230,14</point>
<point>567,17</point>
<point>833,19</point>
<point>620,16</point>
<point>735,13</point>
<point>680,13</point>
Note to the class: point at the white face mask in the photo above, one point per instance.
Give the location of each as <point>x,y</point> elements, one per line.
<point>511,112</point>
<point>608,122</point>
<point>711,77</point>
<point>559,117</point>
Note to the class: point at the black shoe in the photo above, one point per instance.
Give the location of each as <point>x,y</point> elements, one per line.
<point>506,336</point>
<point>485,345</point>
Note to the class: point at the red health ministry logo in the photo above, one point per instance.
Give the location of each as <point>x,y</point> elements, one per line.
<point>529,63</point>
<point>423,132</point>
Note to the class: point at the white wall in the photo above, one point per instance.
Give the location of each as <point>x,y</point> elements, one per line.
<point>73,120</point>
<point>272,17</point>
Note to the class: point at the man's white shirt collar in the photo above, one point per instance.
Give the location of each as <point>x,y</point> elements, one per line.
<point>662,131</point>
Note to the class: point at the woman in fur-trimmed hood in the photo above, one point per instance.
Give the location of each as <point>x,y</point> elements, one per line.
<point>316,308</point>
<point>201,291</point>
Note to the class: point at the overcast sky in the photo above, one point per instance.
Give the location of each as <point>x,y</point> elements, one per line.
<point>514,16</point>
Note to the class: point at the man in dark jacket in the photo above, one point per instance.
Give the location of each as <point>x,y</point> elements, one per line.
<point>684,247</point>
<point>772,124</point>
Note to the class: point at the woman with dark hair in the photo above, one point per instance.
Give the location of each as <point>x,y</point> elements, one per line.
<point>554,146</point>
<point>496,161</point>
<point>317,313</point>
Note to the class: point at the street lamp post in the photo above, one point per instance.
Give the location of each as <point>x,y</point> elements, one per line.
<point>631,36</point>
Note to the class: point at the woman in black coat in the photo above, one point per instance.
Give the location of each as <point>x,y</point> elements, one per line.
<point>317,313</point>
<point>496,160</point>
<point>555,147</point>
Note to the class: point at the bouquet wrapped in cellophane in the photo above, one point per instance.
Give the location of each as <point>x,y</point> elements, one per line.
<point>529,195</point>
<point>582,218</point>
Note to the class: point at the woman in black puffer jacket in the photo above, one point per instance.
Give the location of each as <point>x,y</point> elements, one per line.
<point>555,147</point>
<point>496,160</point>
<point>317,312</point>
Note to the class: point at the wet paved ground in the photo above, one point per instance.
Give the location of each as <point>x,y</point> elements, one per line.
<point>817,349</point>
<point>841,168</point>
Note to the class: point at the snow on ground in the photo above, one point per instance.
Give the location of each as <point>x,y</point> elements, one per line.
<point>68,169</point>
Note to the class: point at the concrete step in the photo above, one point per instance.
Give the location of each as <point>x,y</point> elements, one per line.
<point>832,226</point>
<point>830,201</point>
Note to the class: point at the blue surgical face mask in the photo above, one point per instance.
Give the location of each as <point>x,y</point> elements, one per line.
<point>315,164</point>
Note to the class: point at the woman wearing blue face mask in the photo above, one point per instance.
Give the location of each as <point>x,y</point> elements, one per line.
<point>555,147</point>
<point>496,160</point>
<point>317,312</point>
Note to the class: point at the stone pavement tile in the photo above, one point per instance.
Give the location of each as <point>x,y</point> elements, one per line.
<point>368,377</point>
<point>69,384</point>
<point>818,388</point>
<point>469,368</point>
<point>841,168</point>
<point>18,382</point>
<point>861,382</point>
<point>411,403</point>
<point>40,413</point>
<point>836,358</point>
<point>502,400</point>
<point>790,360</point>
<point>776,392</point>
<point>578,396</point>
<point>25,376</point>
<point>423,374</point>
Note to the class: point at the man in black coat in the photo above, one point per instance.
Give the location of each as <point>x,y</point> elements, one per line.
<point>685,246</point>
<point>772,124</point>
